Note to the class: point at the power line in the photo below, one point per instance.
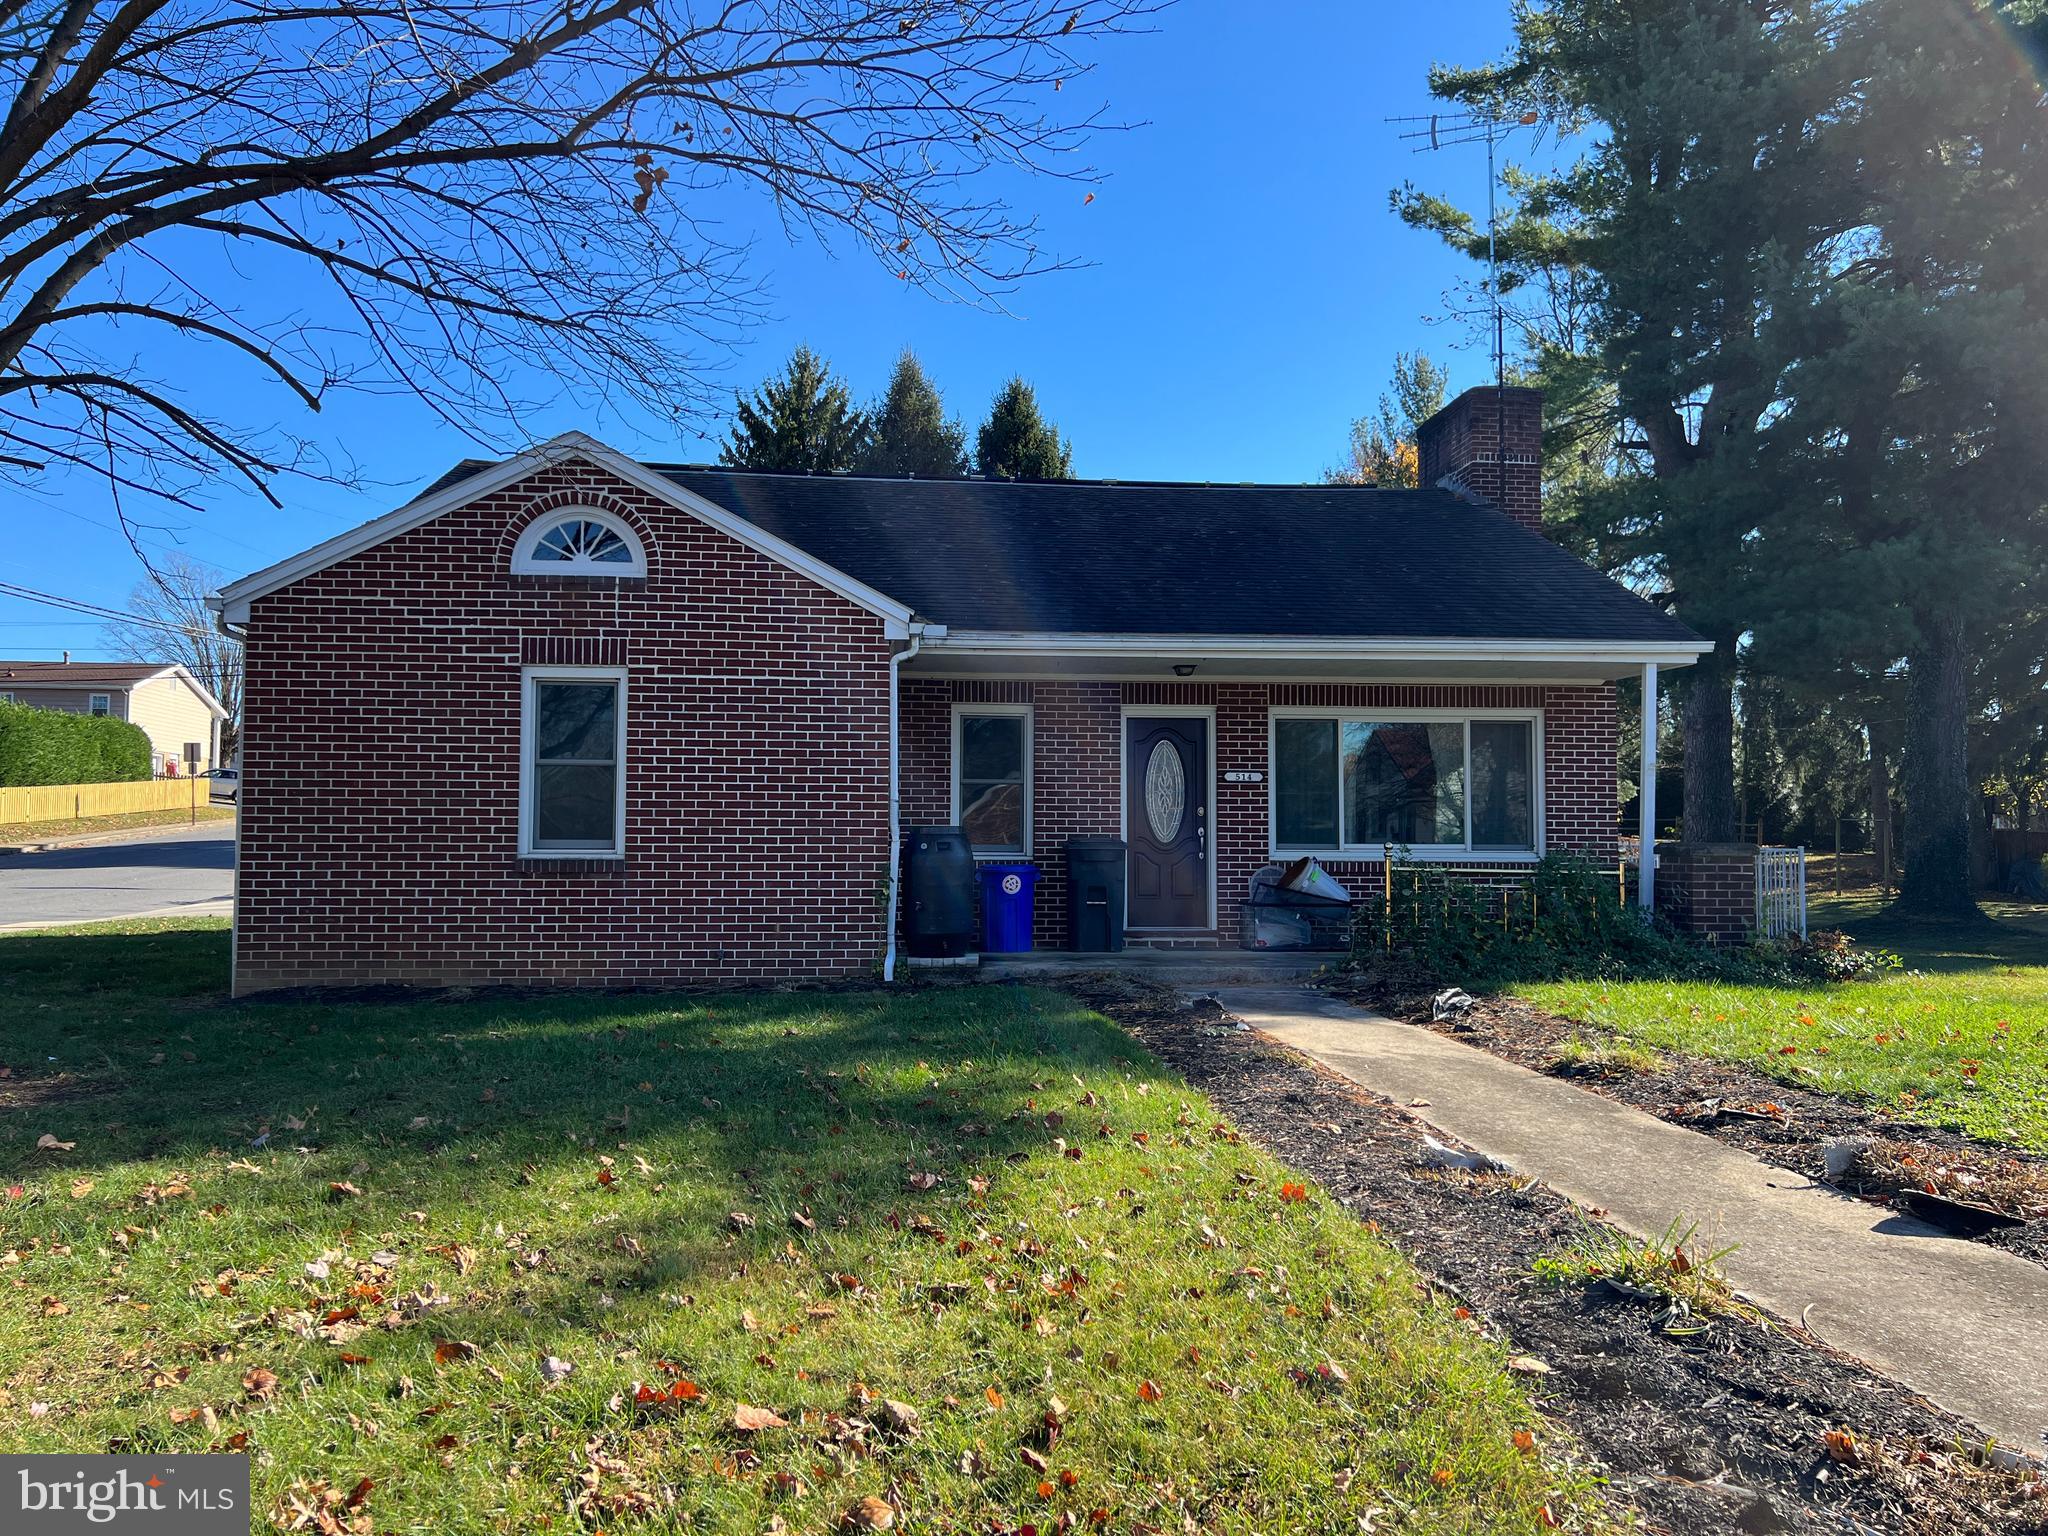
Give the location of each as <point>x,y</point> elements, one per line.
<point>91,610</point>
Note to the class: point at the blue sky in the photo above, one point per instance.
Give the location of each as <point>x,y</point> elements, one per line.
<point>1247,288</point>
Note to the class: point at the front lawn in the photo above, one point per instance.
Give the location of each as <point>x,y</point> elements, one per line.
<point>1958,1038</point>
<point>501,1266</point>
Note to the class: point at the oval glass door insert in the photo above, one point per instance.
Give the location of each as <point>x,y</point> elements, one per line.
<point>1166,791</point>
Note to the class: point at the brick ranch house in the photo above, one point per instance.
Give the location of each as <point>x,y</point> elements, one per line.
<point>645,724</point>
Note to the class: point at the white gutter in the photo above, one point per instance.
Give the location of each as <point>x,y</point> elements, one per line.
<point>1364,648</point>
<point>895,865</point>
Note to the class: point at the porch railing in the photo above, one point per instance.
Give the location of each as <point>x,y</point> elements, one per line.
<point>1780,892</point>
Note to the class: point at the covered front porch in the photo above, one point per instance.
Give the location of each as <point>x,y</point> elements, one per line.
<point>1214,758</point>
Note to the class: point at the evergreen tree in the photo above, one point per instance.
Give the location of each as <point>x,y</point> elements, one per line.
<point>1918,418</point>
<point>802,419</point>
<point>1383,451</point>
<point>911,433</point>
<point>1704,212</point>
<point>1017,443</point>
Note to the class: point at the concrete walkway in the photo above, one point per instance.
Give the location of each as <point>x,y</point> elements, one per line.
<point>1964,1324</point>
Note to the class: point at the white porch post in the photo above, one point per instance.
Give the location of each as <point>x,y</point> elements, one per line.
<point>1646,799</point>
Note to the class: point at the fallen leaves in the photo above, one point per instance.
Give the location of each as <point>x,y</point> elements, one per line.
<point>260,1385</point>
<point>1294,1194</point>
<point>870,1514</point>
<point>447,1351</point>
<point>1841,1447</point>
<point>748,1419</point>
<point>1149,1391</point>
<point>341,1190</point>
<point>553,1369</point>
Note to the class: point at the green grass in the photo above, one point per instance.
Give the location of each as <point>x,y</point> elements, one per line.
<point>1958,1038</point>
<point>556,1177</point>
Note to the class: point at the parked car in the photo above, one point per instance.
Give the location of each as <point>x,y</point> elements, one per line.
<point>225,785</point>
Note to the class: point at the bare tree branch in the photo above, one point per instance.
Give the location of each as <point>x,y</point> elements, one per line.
<point>487,190</point>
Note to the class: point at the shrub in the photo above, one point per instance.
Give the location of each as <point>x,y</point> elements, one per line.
<point>1567,920</point>
<point>50,746</point>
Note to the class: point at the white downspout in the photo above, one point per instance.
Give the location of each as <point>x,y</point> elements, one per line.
<point>1646,800</point>
<point>895,864</point>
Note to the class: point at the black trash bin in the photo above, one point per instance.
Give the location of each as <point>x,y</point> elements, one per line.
<point>938,893</point>
<point>1095,894</point>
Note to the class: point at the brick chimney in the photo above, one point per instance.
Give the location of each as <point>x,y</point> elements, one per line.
<point>1459,449</point>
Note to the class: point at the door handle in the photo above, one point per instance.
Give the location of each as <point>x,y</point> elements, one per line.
<point>1201,841</point>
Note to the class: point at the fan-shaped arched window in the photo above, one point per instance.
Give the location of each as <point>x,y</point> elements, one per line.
<point>579,542</point>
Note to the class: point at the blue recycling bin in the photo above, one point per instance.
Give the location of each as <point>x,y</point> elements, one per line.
<point>1008,894</point>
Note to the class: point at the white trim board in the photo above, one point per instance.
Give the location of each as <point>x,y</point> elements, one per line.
<point>232,601</point>
<point>1197,649</point>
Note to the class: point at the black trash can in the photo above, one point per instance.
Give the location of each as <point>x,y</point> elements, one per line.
<point>938,893</point>
<point>1095,894</point>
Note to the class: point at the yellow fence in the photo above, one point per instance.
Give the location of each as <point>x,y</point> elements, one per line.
<point>63,802</point>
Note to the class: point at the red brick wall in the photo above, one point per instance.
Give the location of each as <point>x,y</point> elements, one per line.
<point>1077,774</point>
<point>379,836</point>
<point>1708,889</point>
<point>1460,445</point>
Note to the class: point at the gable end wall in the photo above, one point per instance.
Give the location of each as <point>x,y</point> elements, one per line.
<point>379,837</point>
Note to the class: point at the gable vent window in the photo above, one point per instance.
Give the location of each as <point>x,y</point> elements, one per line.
<point>579,543</point>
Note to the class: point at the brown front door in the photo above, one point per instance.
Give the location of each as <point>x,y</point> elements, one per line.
<point>1166,821</point>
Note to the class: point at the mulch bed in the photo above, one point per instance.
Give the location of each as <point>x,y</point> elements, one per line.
<point>1776,1121</point>
<point>1721,1432</point>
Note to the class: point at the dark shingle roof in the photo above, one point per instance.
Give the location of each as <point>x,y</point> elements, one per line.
<point>58,674</point>
<point>1093,557</point>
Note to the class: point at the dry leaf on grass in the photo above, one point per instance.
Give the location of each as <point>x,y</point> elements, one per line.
<point>870,1514</point>
<point>747,1419</point>
<point>259,1384</point>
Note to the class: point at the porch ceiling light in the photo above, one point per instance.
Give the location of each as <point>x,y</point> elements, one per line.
<point>1184,669</point>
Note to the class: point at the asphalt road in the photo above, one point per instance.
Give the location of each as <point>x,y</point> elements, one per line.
<point>187,870</point>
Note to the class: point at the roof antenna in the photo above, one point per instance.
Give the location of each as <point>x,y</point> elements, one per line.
<point>1487,125</point>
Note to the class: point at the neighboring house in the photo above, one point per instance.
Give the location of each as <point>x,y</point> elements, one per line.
<point>181,719</point>
<point>641,724</point>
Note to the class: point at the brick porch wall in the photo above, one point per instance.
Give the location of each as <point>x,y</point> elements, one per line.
<point>1077,775</point>
<point>379,837</point>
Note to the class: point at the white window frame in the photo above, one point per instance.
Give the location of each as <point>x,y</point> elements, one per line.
<point>99,704</point>
<point>524,562</point>
<point>1422,852</point>
<point>8,698</point>
<point>1019,711</point>
<point>530,679</point>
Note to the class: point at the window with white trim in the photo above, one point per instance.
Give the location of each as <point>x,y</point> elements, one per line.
<point>992,776</point>
<point>98,704</point>
<point>572,782</point>
<point>1432,782</point>
<point>579,542</point>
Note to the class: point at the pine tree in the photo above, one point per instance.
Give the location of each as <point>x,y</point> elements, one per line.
<point>802,419</point>
<point>1706,211</point>
<point>911,433</point>
<point>1918,422</point>
<point>1383,450</point>
<point>1017,443</point>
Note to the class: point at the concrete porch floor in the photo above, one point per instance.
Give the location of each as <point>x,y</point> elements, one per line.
<point>1174,967</point>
